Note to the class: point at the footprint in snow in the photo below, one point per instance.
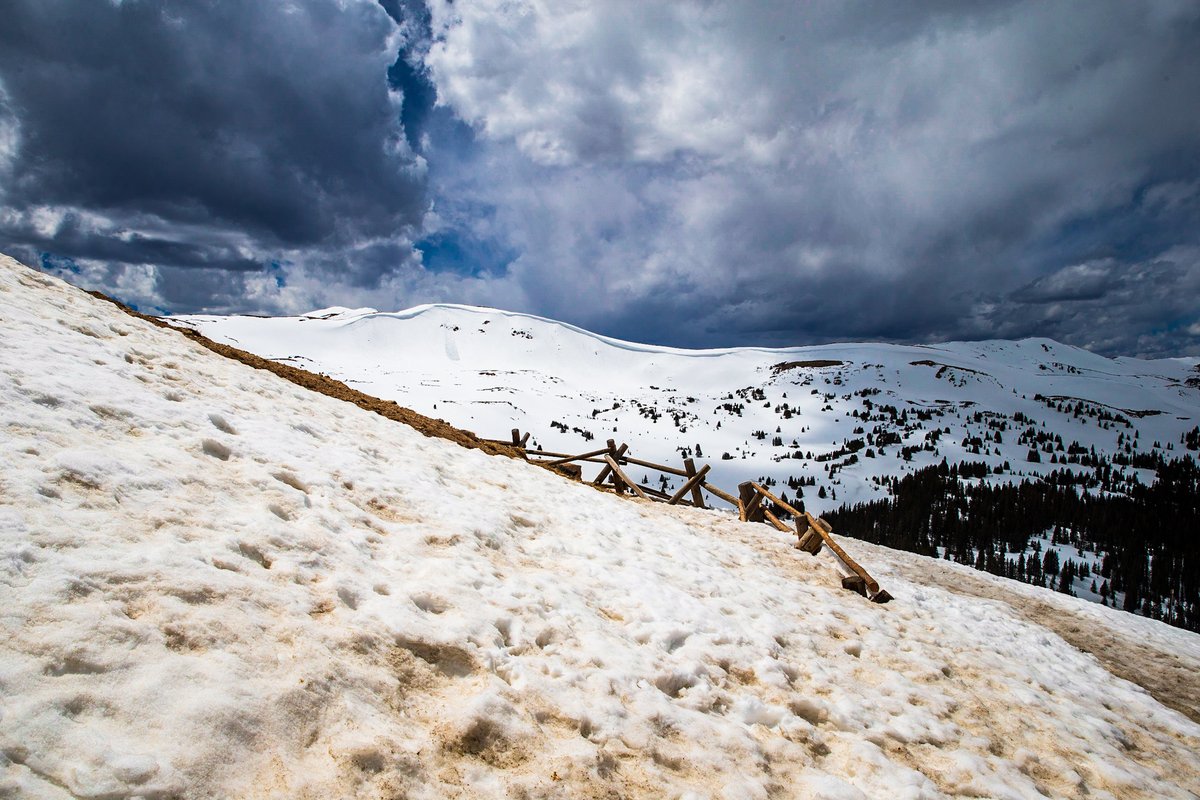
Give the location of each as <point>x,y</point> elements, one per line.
<point>220,424</point>
<point>212,447</point>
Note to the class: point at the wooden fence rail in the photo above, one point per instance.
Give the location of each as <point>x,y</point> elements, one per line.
<point>751,504</point>
<point>853,575</point>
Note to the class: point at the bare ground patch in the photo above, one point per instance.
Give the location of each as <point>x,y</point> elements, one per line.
<point>816,363</point>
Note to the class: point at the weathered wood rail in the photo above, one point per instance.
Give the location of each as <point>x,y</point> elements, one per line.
<point>812,532</point>
<point>612,459</point>
<point>815,532</point>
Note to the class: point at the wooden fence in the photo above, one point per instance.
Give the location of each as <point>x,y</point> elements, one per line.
<point>752,503</point>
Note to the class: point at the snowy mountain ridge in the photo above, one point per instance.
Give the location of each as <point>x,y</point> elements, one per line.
<point>830,425</point>
<point>342,314</point>
<point>492,370</point>
<point>216,583</point>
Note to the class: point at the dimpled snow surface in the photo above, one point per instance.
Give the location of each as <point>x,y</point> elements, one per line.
<point>214,583</point>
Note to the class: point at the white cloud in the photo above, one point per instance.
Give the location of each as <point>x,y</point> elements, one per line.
<point>754,152</point>
<point>696,173</point>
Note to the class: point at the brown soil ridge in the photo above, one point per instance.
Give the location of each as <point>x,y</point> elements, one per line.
<point>925,362</point>
<point>325,385</point>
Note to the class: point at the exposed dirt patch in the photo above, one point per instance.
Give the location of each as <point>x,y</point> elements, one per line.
<point>448,659</point>
<point>816,363</point>
<point>488,742</point>
<point>925,362</point>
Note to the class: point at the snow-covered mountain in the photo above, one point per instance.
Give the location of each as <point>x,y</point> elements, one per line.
<point>829,425</point>
<point>216,583</point>
<point>767,409</point>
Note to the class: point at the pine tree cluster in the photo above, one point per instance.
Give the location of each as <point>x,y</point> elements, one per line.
<point>1147,534</point>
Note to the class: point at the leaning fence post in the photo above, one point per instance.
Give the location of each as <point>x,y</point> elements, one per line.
<point>692,485</point>
<point>821,528</point>
<point>689,467</point>
<point>620,479</point>
<point>751,501</point>
<point>616,453</point>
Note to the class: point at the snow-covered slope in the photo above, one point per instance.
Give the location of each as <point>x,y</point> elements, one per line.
<point>776,413</point>
<point>828,425</point>
<point>216,584</point>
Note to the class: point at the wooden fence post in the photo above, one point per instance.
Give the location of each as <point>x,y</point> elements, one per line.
<point>620,478</point>
<point>807,539</point>
<point>691,485</point>
<point>614,451</point>
<point>689,467</point>
<point>751,501</point>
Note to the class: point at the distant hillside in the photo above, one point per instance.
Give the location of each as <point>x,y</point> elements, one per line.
<point>834,426</point>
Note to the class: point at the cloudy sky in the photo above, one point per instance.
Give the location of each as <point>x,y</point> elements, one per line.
<point>687,173</point>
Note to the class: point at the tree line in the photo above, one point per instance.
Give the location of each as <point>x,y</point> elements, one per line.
<point>1148,534</point>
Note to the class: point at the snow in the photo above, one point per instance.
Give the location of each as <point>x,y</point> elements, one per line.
<point>216,584</point>
<point>490,371</point>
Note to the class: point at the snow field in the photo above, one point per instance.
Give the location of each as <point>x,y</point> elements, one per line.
<point>216,584</point>
<point>490,370</point>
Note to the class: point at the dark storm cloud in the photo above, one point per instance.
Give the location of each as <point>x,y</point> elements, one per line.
<point>692,173</point>
<point>1148,308</point>
<point>772,173</point>
<point>1078,282</point>
<point>266,125</point>
<point>75,238</point>
<point>363,267</point>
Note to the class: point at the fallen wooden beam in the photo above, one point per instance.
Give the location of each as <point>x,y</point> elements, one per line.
<point>616,470</point>
<point>659,467</point>
<point>563,460</point>
<point>546,453</point>
<point>691,485</point>
<point>656,494</point>
<point>824,530</point>
<point>774,520</point>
